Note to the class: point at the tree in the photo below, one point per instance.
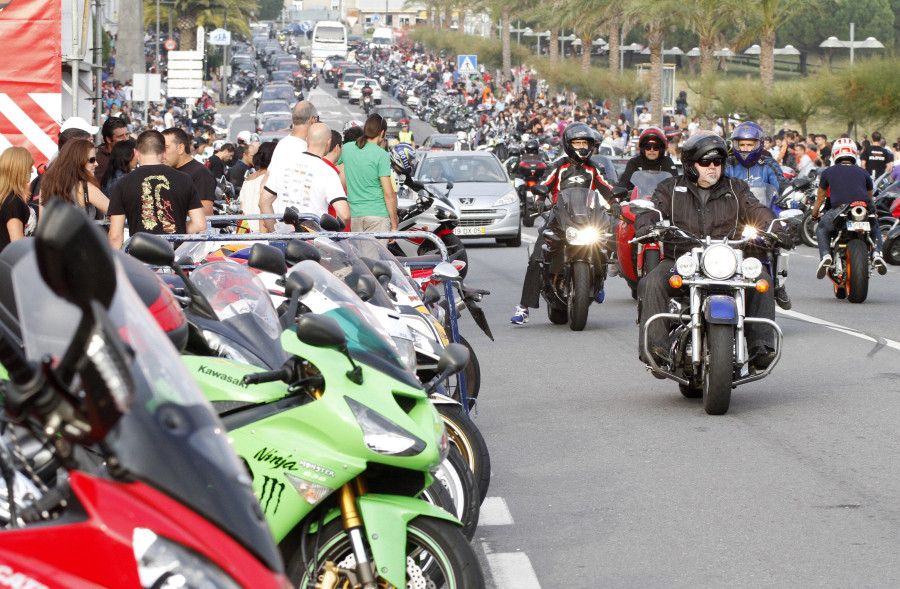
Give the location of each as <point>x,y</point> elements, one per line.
<point>706,18</point>
<point>797,101</point>
<point>655,16</point>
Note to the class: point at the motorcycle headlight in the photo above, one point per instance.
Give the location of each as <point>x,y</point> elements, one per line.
<point>584,236</point>
<point>751,268</point>
<point>507,199</point>
<point>382,435</point>
<point>686,265</point>
<point>719,262</point>
<point>163,563</point>
<point>445,214</point>
<point>407,351</point>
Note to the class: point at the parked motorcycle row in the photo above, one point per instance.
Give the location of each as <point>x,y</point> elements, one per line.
<point>287,411</point>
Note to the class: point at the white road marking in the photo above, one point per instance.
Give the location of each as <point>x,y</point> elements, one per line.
<point>847,330</point>
<point>494,512</point>
<point>512,570</point>
<point>528,238</point>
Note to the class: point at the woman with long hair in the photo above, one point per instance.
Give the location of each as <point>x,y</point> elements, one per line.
<point>253,184</point>
<point>17,219</point>
<point>71,179</point>
<point>122,159</point>
<point>370,190</point>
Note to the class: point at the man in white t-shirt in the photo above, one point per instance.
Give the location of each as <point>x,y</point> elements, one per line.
<point>304,181</point>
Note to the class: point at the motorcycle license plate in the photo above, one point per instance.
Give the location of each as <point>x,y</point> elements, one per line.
<point>469,231</point>
<point>858,225</point>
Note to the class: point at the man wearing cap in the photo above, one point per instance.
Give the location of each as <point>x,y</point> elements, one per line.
<point>405,135</point>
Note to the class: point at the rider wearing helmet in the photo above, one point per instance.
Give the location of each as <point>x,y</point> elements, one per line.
<point>575,171</point>
<point>403,159</point>
<point>842,183</point>
<point>705,203</point>
<point>652,144</point>
<point>405,135</point>
<point>512,162</point>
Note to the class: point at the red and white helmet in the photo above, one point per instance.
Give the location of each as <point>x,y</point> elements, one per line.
<point>844,148</point>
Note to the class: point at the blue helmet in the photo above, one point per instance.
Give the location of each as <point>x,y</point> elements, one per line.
<point>748,131</point>
<point>403,159</point>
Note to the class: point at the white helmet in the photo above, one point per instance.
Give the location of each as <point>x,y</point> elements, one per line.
<point>844,148</point>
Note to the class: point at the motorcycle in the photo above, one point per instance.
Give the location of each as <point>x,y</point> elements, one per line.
<point>851,247</point>
<point>573,270</point>
<point>636,260</point>
<point>528,172</point>
<point>97,372</point>
<point>366,100</point>
<point>706,344</point>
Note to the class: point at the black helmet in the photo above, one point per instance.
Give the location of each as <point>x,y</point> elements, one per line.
<point>702,146</point>
<point>650,136</point>
<point>531,146</point>
<point>578,131</point>
<point>515,151</point>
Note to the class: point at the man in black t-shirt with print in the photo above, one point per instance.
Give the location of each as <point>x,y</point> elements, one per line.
<point>178,155</point>
<point>154,198</point>
<point>876,158</point>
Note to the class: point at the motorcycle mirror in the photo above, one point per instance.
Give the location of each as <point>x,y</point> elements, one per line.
<point>620,193</point>
<point>267,258</point>
<point>446,271</point>
<point>800,182</point>
<point>432,294</point>
<point>298,250</point>
<point>291,216</point>
<point>320,331</point>
<point>541,190</point>
<point>449,186</point>
<point>380,268</point>
<point>73,256</point>
<point>365,287</point>
<point>151,249</point>
<point>453,359</point>
<point>297,282</point>
<point>331,223</point>
<point>790,214</point>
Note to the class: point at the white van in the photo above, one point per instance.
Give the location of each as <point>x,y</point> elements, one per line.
<point>383,38</point>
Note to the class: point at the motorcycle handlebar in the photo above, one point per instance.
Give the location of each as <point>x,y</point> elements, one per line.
<point>283,373</point>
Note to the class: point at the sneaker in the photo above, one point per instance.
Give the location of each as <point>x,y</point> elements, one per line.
<point>879,264</point>
<point>824,266</point>
<point>601,297</point>
<point>520,317</point>
<point>782,298</point>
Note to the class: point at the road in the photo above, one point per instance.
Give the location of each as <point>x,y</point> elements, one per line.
<point>604,476</point>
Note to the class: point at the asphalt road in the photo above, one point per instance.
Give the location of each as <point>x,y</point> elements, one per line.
<point>604,476</point>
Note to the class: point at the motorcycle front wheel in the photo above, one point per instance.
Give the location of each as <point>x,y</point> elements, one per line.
<point>857,273</point>
<point>454,474</point>
<point>579,295</point>
<point>719,368</point>
<point>467,438</point>
<point>808,229</point>
<point>436,553</point>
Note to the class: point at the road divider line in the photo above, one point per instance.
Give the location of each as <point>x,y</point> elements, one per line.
<point>841,328</point>
<point>494,512</point>
<point>512,570</point>
<point>528,238</point>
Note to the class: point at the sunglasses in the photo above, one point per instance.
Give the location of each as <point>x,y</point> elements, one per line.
<point>707,163</point>
<point>652,148</point>
<point>92,160</point>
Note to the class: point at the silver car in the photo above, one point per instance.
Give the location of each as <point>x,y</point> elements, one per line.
<point>487,199</point>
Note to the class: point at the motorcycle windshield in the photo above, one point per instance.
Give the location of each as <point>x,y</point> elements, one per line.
<point>645,182</point>
<point>346,265</point>
<point>401,284</point>
<point>764,193</point>
<point>169,437</point>
<point>579,203</point>
<point>234,291</point>
<point>366,339</point>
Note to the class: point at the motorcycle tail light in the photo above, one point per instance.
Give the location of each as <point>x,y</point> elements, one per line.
<point>675,281</point>
<point>762,285</point>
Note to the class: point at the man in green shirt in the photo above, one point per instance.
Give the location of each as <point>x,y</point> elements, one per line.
<point>370,191</point>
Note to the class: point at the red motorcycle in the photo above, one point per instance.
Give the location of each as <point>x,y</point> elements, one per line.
<point>170,505</point>
<point>635,260</point>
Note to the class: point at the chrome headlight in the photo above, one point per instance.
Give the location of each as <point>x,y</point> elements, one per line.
<point>165,564</point>
<point>445,213</point>
<point>507,199</point>
<point>751,268</point>
<point>584,236</point>
<point>382,435</point>
<point>686,265</point>
<point>719,262</point>
<point>224,349</point>
<point>407,351</point>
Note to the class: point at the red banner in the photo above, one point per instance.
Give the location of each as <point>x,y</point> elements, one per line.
<point>30,75</point>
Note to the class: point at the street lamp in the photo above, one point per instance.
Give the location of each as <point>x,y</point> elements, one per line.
<point>834,42</point>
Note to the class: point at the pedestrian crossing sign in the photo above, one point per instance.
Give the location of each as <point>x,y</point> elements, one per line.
<point>467,64</point>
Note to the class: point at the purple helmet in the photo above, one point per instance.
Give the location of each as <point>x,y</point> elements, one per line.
<point>748,131</point>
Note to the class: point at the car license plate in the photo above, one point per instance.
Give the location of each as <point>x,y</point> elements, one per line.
<point>858,226</point>
<point>469,231</point>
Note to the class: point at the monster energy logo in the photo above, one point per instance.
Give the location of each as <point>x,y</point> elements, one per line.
<point>270,495</point>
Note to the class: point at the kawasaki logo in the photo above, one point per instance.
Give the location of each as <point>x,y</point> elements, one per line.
<point>222,376</point>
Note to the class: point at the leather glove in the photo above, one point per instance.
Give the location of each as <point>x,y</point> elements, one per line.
<point>642,231</point>
<point>784,241</point>
<point>615,209</point>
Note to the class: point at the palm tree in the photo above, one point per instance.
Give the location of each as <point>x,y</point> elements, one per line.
<point>656,16</point>
<point>706,18</point>
<point>586,18</point>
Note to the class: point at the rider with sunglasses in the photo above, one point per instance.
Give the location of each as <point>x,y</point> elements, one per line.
<point>705,202</point>
<point>652,144</point>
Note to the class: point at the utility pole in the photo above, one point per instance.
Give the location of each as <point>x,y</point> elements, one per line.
<point>74,62</point>
<point>157,36</point>
<point>98,64</point>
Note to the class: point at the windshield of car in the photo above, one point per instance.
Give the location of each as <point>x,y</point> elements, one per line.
<point>463,168</point>
<point>273,125</point>
<point>363,81</point>
<point>277,93</point>
<point>390,113</point>
<point>274,106</point>
<point>350,78</point>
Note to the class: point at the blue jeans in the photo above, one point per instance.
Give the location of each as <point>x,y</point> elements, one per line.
<point>824,231</point>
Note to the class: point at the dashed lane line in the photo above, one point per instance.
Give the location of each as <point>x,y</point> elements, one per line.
<point>512,570</point>
<point>841,328</point>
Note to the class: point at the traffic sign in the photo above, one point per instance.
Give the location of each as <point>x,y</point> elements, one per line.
<point>185,74</point>
<point>305,26</point>
<point>375,18</point>
<point>170,44</point>
<point>467,64</point>
<point>220,37</point>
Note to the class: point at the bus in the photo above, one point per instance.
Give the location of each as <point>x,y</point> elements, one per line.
<point>328,38</point>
